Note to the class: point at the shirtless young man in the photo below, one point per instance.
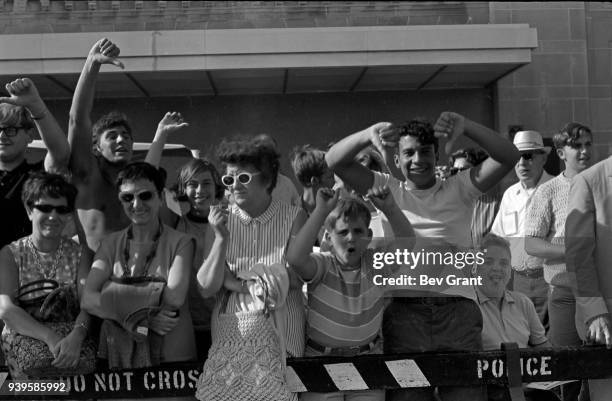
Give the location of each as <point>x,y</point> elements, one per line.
<point>96,159</point>
<point>99,151</point>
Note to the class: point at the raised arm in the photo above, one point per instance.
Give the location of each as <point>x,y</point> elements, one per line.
<point>388,153</point>
<point>23,93</point>
<point>300,247</point>
<point>212,272</point>
<point>403,233</point>
<point>341,158</point>
<point>79,127</point>
<point>169,124</point>
<point>503,155</point>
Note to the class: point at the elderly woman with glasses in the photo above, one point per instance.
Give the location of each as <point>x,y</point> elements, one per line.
<point>256,231</point>
<point>139,280</point>
<point>43,255</point>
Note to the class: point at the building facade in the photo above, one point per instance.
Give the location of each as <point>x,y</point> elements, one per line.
<point>313,72</point>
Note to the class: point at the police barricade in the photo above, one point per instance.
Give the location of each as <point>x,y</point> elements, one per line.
<point>509,367</point>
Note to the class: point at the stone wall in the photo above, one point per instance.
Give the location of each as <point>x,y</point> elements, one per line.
<point>569,77</point>
<point>35,16</point>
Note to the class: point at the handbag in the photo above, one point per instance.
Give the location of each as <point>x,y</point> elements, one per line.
<point>56,307</point>
<point>245,361</point>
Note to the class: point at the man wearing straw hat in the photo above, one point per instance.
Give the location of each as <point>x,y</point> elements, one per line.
<point>527,271</point>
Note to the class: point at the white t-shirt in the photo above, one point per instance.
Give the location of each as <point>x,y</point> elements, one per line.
<point>444,212</point>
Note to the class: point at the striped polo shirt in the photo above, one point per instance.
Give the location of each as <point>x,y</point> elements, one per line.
<point>263,239</point>
<point>345,308</point>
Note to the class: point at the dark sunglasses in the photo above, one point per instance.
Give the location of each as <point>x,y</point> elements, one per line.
<point>10,131</point>
<point>44,208</point>
<point>128,197</point>
<point>529,155</point>
<point>243,178</point>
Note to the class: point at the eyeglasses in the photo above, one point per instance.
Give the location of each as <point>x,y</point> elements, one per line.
<point>243,178</point>
<point>529,155</point>
<point>11,131</point>
<point>128,197</point>
<point>45,208</point>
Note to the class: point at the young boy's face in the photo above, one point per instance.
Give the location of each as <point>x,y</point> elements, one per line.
<point>350,239</point>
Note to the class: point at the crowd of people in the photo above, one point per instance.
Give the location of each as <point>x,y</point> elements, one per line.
<point>253,266</point>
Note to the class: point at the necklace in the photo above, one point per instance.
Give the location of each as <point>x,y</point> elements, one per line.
<point>148,259</point>
<point>48,273</point>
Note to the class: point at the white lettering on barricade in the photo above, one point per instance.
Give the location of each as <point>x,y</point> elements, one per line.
<point>497,367</point>
<point>530,370</point>
<point>75,383</point>
<point>149,385</point>
<point>544,366</point>
<point>164,380</point>
<point>193,376</point>
<point>482,365</point>
<point>178,379</point>
<point>531,366</point>
<point>114,382</point>
<point>99,382</point>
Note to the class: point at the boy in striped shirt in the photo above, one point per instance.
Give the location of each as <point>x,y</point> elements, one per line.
<point>345,306</point>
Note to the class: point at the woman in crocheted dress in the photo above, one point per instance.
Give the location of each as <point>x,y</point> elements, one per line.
<point>255,230</point>
<point>45,254</point>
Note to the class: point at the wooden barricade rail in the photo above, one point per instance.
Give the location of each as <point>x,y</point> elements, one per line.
<point>328,374</point>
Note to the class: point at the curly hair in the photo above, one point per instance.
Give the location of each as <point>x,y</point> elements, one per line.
<point>252,150</point>
<point>421,129</point>
<point>41,184</point>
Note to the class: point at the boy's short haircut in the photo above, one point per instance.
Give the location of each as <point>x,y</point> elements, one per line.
<point>375,161</point>
<point>108,121</point>
<point>421,129</point>
<point>569,134</point>
<point>491,239</point>
<point>41,184</point>
<point>468,154</point>
<point>196,166</point>
<point>256,151</point>
<point>141,171</point>
<point>348,208</point>
<point>15,116</point>
<point>308,162</point>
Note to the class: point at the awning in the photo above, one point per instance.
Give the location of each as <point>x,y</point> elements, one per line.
<point>274,61</point>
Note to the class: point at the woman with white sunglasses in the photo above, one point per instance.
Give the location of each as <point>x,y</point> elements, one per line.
<point>256,231</point>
